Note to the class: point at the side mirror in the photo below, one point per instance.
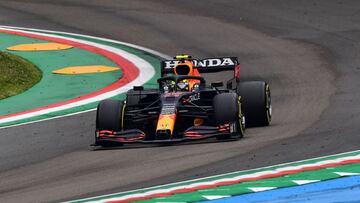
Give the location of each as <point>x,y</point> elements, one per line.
<point>217,84</point>
<point>138,88</point>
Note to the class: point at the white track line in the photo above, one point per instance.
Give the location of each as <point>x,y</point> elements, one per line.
<point>48,119</point>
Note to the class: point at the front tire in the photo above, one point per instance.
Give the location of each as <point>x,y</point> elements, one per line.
<point>256,99</point>
<point>228,110</point>
<point>110,114</point>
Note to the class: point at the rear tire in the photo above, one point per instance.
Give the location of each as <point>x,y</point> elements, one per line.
<point>227,110</point>
<point>256,100</point>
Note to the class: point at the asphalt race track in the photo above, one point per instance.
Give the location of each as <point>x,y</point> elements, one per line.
<point>308,50</point>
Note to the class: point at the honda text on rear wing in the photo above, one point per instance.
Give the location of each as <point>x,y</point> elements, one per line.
<point>207,65</point>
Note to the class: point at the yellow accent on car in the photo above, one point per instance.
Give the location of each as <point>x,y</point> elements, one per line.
<point>39,47</point>
<point>122,116</point>
<point>85,70</point>
<point>166,122</point>
<point>183,56</point>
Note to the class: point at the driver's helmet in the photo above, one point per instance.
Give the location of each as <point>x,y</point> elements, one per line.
<point>184,68</point>
<point>183,85</point>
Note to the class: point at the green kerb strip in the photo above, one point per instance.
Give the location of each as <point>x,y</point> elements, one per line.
<point>152,59</point>
<point>246,187</point>
<point>243,188</point>
<point>53,60</point>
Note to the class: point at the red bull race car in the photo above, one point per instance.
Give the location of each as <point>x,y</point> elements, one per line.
<point>185,107</point>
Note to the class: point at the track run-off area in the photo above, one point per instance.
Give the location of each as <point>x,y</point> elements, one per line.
<point>223,187</point>
<point>58,97</point>
<point>306,50</point>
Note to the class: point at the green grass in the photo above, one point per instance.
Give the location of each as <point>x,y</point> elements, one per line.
<point>16,75</point>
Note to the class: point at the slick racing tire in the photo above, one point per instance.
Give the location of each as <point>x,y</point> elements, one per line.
<point>110,115</point>
<point>228,110</point>
<point>256,101</point>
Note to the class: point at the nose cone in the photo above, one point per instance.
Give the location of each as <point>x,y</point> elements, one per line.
<point>165,125</point>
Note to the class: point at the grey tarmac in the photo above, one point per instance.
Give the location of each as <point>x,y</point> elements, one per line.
<point>308,50</point>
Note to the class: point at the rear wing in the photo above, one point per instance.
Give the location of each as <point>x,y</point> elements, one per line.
<point>207,65</point>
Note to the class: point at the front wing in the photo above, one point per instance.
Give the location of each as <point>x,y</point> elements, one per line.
<point>105,137</point>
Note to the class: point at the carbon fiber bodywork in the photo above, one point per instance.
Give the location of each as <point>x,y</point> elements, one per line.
<point>158,116</point>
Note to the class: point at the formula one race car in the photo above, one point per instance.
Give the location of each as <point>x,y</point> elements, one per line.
<point>185,107</point>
